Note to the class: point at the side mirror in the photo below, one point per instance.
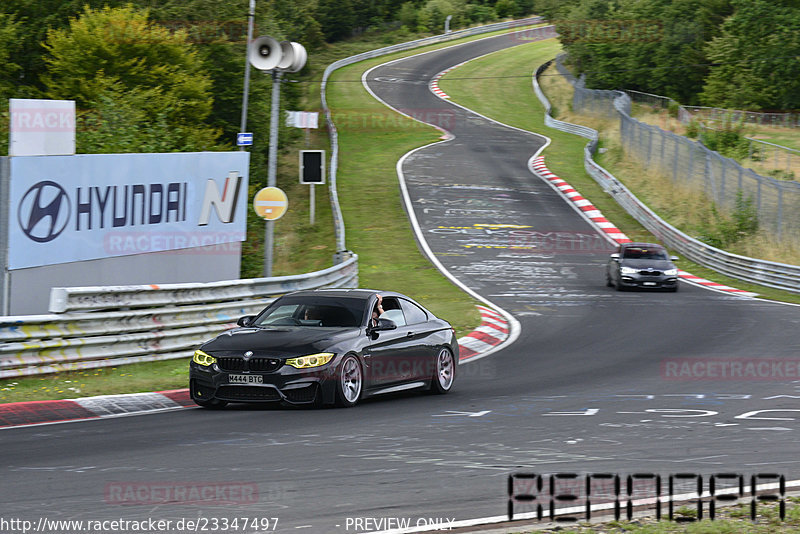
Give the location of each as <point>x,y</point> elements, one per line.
<point>615,256</point>
<point>673,258</point>
<point>383,324</point>
<point>245,320</point>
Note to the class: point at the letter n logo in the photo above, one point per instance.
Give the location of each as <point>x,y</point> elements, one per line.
<point>225,204</point>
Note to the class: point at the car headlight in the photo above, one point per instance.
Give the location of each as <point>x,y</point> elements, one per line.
<point>312,360</point>
<point>628,270</point>
<point>671,272</point>
<point>202,358</point>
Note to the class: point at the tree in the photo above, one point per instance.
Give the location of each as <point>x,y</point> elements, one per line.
<point>480,13</point>
<point>408,15</point>
<point>755,56</point>
<point>654,46</point>
<point>117,53</point>
<point>523,8</point>
<point>336,18</point>
<point>505,8</point>
<point>433,14</point>
<point>9,30</point>
<point>125,121</point>
<point>36,18</point>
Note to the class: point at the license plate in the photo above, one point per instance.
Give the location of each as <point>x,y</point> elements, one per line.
<point>245,379</point>
<point>649,283</point>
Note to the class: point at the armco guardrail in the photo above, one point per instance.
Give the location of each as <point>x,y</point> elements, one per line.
<point>109,326</point>
<point>770,274</point>
<point>332,132</point>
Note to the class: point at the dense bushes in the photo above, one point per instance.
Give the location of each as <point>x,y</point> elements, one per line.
<point>727,53</point>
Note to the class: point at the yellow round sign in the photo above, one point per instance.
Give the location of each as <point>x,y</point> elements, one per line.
<point>270,203</point>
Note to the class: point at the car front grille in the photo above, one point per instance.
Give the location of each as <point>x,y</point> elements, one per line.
<point>231,364</point>
<point>237,363</point>
<point>247,393</point>
<point>650,273</point>
<point>306,394</point>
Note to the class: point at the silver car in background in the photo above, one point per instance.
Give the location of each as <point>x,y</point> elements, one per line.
<point>642,265</point>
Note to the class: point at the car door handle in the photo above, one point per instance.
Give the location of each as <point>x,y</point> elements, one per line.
<point>410,334</point>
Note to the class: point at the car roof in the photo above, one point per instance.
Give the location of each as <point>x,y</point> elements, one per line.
<point>339,292</point>
<point>642,245</point>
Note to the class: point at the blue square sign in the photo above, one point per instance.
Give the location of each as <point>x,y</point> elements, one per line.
<point>244,139</point>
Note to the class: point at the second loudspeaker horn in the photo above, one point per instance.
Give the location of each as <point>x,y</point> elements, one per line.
<point>293,58</point>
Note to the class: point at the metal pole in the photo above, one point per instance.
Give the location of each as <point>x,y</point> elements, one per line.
<point>312,204</point>
<point>272,164</point>
<point>246,91</point>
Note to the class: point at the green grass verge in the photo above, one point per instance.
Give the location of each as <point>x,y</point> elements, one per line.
<point>788,137</point>
<point>372,139</point>
<point>137,377</point>
<point>511,100</point>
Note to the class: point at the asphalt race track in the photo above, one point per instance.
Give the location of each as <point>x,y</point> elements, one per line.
<point>592,384</point>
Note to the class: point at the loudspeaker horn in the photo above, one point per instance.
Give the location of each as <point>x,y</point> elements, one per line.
<point>294,56</point>
<point>265,53</point>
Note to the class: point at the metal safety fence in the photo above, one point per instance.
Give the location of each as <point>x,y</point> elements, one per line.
<point>771,274</point>
<point>690,163</point>
<point>95,327</point>
<point>762,154</point>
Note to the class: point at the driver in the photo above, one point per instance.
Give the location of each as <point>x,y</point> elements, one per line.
<point>313,313</point>
<point>377,311</point>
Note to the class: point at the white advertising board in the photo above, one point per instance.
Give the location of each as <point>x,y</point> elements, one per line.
<point>73,208</point>
<point>41,127</point>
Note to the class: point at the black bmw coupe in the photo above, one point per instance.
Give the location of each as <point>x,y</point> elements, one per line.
<point>326,346</point>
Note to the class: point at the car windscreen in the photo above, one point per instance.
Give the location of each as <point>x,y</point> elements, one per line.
<point>313,311</point>
<point>641,253</point>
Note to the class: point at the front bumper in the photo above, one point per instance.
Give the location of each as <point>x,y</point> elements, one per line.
<point>648,282</point>
<point>288,385</point>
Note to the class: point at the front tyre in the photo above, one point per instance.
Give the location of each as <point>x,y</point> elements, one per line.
<point>349,382</point>
<point>445,372</point>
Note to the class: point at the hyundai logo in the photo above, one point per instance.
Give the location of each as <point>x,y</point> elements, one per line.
<point>248,354</point>
<point>44,211</point>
